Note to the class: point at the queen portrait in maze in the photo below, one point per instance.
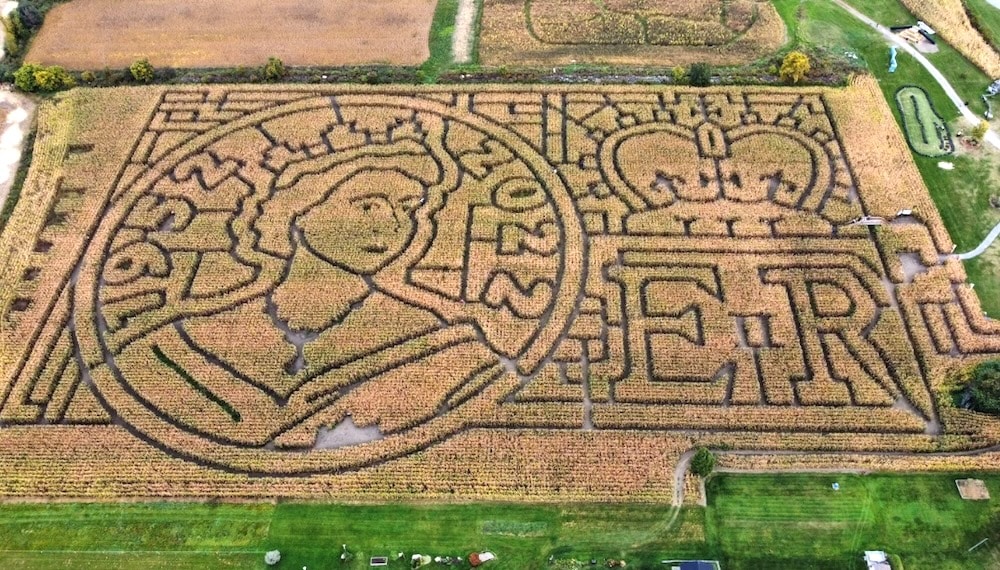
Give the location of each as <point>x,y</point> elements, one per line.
<point>371,277</point>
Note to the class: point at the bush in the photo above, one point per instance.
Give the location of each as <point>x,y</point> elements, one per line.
<point>14,33</point>
<point>794,67</point>
<point>985,387</point>
<point>272,557</point>
<point>703,462</point>
<point>700,74</point>
<point>274,69</point>
<point>979,131</point>
<point>30,17</point>
<point>142,70</point>
<point>31,77</point>
<point>88,77</point>
<point>679,74</point>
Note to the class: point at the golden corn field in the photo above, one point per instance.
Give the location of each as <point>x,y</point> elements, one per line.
<point>485,291</point>
<point>628,32</point>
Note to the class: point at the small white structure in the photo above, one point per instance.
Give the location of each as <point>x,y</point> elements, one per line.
<point>925,28</point>
<point>867,221</point>
<point>877,560</point>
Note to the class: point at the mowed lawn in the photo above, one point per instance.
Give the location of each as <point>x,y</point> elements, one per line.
<point>184,535</point>
<point>752,522</point>
<point>799,521</point>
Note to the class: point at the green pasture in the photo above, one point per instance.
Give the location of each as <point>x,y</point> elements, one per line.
<point>751,522</point>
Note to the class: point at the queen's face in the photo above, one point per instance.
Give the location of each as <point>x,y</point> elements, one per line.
<point>366,221</point>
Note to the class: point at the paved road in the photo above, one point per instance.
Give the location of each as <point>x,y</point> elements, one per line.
<point>991,136</point>
<point>984,244</point>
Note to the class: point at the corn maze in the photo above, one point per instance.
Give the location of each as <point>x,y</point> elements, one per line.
<point>631,32</point>
<point>481,291</point>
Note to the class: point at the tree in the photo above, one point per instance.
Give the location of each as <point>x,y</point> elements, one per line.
<point>141,70</point>
<point>24,77</point>
<point>985,387</point>
<point>272,557</point>
<point>29,16</point>
<point>31,77</point>
<point>274,69</point>
<point>703,462</point>
<point>700,74</point>
<point>679,74</point>
<point>13,33</point>
<point>794,67</point>
<point>980,130</point>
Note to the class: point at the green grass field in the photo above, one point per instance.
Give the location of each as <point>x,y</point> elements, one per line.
<point>799,521</point>
<point>178,535</point>
<point>752,522</point>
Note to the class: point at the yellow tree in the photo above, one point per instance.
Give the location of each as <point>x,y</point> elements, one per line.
<point>795,66</point>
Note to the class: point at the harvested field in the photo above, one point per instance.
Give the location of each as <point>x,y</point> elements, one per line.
<point>628,32</point>
<point>93,34</point>
<point>481,291</point>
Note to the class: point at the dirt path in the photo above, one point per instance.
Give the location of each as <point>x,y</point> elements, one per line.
<point>461,38</point>
<point>682,466</point>
<point>991,136</point>
<point>19,110</point>
<point>990,238</point>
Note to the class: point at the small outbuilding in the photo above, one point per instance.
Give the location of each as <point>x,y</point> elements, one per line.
<point>972,489</point>
<point>877,560</point>
<point>697,565</point>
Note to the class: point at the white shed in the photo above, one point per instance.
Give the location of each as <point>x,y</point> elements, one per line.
<point>877,560</point>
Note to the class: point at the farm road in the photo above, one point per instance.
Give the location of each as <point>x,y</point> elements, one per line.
<point>991,136</point>
<point>19,110</point>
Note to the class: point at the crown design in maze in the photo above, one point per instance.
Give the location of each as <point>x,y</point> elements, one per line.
<point>624,22</point>
<point>405,266</point>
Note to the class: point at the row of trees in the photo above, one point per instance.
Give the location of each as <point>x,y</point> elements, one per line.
<point>37,78</point>
<point>34,78</point>
<point>794,68</point>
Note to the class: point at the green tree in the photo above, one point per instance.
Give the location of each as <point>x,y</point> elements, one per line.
<point>24,77</point>
<point>979,131</point>
<point>31,77</point>
<point>703,462</point>
<point>679,74</point>
<point>700,74</point>
<point>985,387</point>
<point>13,33</point>
<point>794,67</point>
<point>274,69</point>
<point>141,70</point>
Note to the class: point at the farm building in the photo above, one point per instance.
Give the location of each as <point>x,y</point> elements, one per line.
<point>697,565</point>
